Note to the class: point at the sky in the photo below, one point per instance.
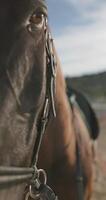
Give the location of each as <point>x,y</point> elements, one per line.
<point>79,31</point>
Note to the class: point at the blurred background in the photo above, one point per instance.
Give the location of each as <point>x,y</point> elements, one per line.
<point>79,30</point>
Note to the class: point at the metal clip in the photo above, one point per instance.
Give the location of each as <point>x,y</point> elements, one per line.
<point>35,185</point>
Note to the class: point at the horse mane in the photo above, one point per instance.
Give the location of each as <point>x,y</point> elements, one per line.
<point>87,110</point>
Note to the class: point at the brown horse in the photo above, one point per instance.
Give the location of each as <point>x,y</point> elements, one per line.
<point>24,85</point>
<point>59,156</point>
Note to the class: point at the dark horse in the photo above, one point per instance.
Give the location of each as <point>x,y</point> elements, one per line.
<point>25,84</point>
<point>22,87</point>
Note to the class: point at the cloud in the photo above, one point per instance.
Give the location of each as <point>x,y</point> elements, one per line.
<point>82,47</point>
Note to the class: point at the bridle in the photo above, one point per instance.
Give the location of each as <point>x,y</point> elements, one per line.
<point>16,175</point>
<point>49,105</point>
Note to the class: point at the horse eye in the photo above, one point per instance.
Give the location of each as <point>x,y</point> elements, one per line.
<point>37,19</point>
<point>36,22</point>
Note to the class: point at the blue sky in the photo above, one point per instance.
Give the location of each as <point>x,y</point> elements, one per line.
<point>79,29</point>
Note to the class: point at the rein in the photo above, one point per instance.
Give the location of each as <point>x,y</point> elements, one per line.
<point>31,175</point>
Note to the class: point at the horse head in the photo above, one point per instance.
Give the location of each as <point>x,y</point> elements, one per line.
<point>22,81</point>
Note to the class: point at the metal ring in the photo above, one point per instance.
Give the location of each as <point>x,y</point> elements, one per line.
<point>33,196</point>
<point>42,171</point>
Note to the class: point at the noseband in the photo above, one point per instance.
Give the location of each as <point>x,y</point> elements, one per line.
<point>16,175</point>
